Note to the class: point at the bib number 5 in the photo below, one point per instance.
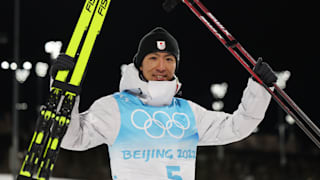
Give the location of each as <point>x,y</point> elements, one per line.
<point>172,171</point>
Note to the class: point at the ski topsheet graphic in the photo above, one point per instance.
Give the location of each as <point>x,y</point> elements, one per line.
<point>54,117</point>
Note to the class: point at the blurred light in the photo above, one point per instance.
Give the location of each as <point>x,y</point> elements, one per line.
<point>13,66</point>
<point>123,68</point>
<point>219,90</point>
<point>256,130</point>
<point>5,65</point>
<point>53,48</point>
<point>217,105</point>
<point>290,120</point>
<point>22,75</point>
<point>22,106</point>
<point>27,65</point>
<point>283,77</point>
<point>41,69</point>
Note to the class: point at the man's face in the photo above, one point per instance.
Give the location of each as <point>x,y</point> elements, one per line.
<point>158,66</point>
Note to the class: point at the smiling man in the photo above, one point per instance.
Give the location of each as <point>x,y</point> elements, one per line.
<point>158,66</point>
<point>158,56</point>
<point>150,133</point>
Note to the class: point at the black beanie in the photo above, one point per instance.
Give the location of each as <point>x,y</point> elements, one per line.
<point>157,40</point>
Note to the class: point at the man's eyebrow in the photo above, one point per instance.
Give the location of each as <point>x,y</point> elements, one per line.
<point>169,55</point>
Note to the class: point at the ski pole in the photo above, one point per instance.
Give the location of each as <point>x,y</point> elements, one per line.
<point>253,62</point>
<point>236,49</point>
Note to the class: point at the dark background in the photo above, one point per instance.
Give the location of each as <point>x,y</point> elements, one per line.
<point>284,33</point>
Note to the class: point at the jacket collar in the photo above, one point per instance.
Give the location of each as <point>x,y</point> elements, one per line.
<point>154,93</point>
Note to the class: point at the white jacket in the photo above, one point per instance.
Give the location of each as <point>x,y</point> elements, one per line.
<point>101,123</point>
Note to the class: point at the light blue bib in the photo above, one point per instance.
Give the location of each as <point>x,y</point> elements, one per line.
<point>153,137</point>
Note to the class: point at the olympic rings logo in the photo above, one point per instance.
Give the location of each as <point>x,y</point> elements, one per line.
<point>172,123</point>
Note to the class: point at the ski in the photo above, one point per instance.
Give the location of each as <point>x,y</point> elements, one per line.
<point>52,122</point>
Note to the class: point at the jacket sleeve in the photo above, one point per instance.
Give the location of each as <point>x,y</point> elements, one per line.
<point>219,128</point>
<point>98,125</point>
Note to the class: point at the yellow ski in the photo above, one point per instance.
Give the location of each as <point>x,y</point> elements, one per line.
<point>52,123</point>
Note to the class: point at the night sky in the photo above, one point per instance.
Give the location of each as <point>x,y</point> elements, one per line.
<point>284,33</point>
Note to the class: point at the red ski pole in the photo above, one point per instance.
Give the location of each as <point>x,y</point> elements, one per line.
<point>253,62</point>
<point>237,50</point>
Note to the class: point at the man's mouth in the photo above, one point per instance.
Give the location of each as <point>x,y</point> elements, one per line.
<point>160,77</point>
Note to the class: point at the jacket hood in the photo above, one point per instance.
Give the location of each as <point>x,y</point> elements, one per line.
<point>154,93</point>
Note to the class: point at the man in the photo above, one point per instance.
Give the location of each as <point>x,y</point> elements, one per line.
<point>150,133</point>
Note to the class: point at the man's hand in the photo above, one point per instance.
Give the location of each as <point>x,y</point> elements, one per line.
<point>63,62</point>
<point>265,73</point>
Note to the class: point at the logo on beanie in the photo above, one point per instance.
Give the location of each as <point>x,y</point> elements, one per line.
<point>161,45</point>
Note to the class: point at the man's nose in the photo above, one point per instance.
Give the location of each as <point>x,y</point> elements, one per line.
<point>161,64</point>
